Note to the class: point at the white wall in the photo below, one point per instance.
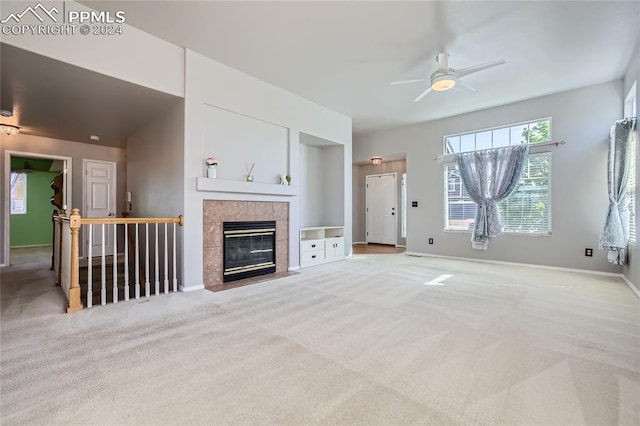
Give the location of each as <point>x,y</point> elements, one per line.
<point>77,151</point>
<point>632,270</point>
<point>311,186</point>
<point>579,196</point>
<point>333,190</point>
<point>238,141</point>
<point>360,173</point>
<point>134,56</point>
<point>213,84</point>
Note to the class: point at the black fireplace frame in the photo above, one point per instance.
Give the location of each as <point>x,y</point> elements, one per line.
<point>249,226</point>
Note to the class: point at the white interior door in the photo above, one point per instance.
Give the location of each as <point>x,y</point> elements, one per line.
<point>100,201</point>
<point>381,209</point>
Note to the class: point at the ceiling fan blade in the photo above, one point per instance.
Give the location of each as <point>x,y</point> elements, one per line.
<point>470,70</point>
<point>423,94</point>
<point>395,83</point>
<point>466,85</point>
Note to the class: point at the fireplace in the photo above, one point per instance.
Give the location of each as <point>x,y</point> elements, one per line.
<point>249,249</point>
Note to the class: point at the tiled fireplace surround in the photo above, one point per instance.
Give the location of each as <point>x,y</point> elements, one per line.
<point>215,212</point>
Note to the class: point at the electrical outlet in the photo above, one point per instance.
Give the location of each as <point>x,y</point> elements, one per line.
<point>430,240</point>
<point>588,252</point>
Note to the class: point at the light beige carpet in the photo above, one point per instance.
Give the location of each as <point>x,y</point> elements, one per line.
<point>373,340</point>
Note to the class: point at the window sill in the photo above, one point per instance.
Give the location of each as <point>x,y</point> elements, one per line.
<point>524,234</point>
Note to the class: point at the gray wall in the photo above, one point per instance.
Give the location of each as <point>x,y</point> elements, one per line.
<point>632,270</point>
<point>155,166</point>
<point>360,173</point>
<point>581,117</point>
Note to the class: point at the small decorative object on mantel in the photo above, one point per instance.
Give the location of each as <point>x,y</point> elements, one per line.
<point>249,176</point>
<point>211,163</point>
<point>283,180</point>
<point>288,179</point>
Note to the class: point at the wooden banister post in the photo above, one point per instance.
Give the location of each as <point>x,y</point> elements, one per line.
<point>75,302</point>
<point>61,214</point>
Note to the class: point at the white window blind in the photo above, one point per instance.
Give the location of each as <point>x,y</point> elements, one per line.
<point>403,228</point>
<point>526,211</point>
<point>632,194</point>
<point>18,193</point>
<point>630,111</point>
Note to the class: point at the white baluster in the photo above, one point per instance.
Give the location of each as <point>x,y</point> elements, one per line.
<point>126,263</point>
<point>103,290</point>
<point>137,254</point>
<point>115,263</point>
<point>147,290</point>
<point>90,269</point>
<point>166,261</point>
<point>175,279</point>
<point>157,269</point>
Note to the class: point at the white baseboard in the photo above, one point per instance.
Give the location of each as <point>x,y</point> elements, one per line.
<point>531,265</point>
<point>401,245</point>
<point>294,268</point>
<point>359,242</point>
<point>631,286</point>
<point>190,288</point>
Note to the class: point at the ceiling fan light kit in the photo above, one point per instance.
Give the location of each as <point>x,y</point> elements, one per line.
<point>444,82</point>
<point>377,160</point>
<point>9,129</point>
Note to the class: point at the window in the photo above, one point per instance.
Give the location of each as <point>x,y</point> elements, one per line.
<point>18,193</point>
<point>530,132</point>
<point>403,228</point>
<point>630,111</point>
<point>528,209</point>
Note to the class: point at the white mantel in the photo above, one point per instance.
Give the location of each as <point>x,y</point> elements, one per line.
<point>241,187</point>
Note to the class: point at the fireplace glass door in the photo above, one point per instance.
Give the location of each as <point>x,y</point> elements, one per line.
<point>249,249</point>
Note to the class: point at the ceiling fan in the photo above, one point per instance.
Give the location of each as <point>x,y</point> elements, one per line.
<point>444,78</point>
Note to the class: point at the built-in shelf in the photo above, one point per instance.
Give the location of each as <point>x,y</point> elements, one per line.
<point>219,185</point>
<point>321,244</point>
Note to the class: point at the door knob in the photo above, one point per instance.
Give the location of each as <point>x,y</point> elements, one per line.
<point>110,214</point>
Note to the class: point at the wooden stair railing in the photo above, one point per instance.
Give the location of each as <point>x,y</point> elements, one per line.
<point>68,270</point>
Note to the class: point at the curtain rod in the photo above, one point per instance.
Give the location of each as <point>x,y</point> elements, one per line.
<point>531,145</point>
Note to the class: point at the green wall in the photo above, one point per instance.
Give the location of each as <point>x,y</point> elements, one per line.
<point>35,228</point>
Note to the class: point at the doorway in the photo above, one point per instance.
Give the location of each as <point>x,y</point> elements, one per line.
<point>381,212</point>
<point>28,226</point>
<point>100,201</point>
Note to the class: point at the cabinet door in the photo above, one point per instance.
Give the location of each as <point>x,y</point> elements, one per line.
<point>334,248</point>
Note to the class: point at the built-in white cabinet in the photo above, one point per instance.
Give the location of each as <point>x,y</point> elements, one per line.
<point>321,244</point>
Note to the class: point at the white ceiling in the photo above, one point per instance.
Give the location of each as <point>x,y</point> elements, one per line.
<point>344,54</point>
<point>339,54</point>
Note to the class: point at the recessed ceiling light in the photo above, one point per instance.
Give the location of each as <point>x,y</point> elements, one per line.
<point>6,113</point>
<point>95,137</point>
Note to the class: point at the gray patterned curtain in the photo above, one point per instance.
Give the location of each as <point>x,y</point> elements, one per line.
<point>490,176</point>
<point>615,232</point>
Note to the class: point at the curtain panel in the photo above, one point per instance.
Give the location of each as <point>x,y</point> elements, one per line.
<point>615,231</point>
<point>490,176</point>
